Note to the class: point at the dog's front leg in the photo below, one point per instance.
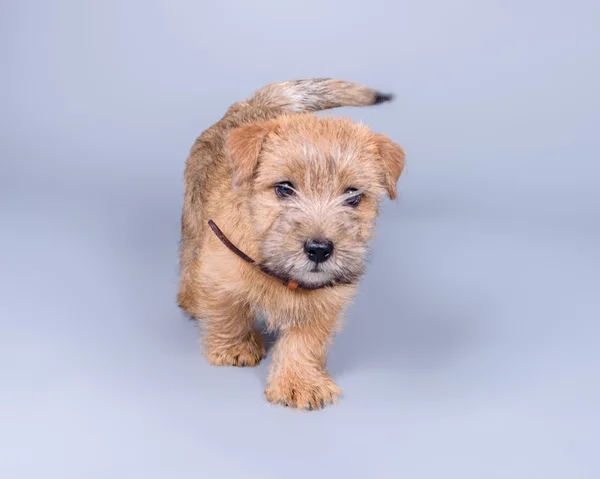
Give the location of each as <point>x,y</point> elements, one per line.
<point>297,377</point>
<point>230,335</point>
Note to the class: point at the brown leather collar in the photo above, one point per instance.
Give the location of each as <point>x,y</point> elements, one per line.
<point>287,283</point>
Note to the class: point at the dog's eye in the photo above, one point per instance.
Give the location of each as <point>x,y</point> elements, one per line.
<point>285,189</point>
<point>353,200</point>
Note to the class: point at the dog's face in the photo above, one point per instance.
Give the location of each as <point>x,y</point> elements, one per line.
<point>314,186</point>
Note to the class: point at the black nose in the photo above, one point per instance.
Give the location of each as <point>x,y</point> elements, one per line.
<point>318,250</point>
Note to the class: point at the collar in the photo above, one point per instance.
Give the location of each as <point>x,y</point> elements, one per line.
<point>288,283</point>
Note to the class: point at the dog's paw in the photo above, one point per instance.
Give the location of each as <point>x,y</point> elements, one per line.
<point>246,353</point>
<point>312,392</point>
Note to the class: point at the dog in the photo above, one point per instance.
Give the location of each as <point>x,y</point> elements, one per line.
<point>278,211</point>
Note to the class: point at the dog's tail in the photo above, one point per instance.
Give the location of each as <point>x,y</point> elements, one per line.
<point>316,94</point>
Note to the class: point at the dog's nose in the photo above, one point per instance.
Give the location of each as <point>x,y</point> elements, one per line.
<point>318,250</point>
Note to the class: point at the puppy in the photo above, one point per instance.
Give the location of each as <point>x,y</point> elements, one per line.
<point>279,208</point>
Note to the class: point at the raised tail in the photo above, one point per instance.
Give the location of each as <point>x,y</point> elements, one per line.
<point>315,94</point>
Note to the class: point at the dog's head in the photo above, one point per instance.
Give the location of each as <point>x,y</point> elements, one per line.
<point>314,186</point>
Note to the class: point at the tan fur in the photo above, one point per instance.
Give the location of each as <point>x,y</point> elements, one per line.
<point>230,177</point>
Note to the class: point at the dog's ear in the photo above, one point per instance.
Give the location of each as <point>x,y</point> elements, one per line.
<point>392,158</point>
<point>244,145</point>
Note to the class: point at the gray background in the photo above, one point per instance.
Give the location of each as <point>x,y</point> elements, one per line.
<point>472,349</point>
